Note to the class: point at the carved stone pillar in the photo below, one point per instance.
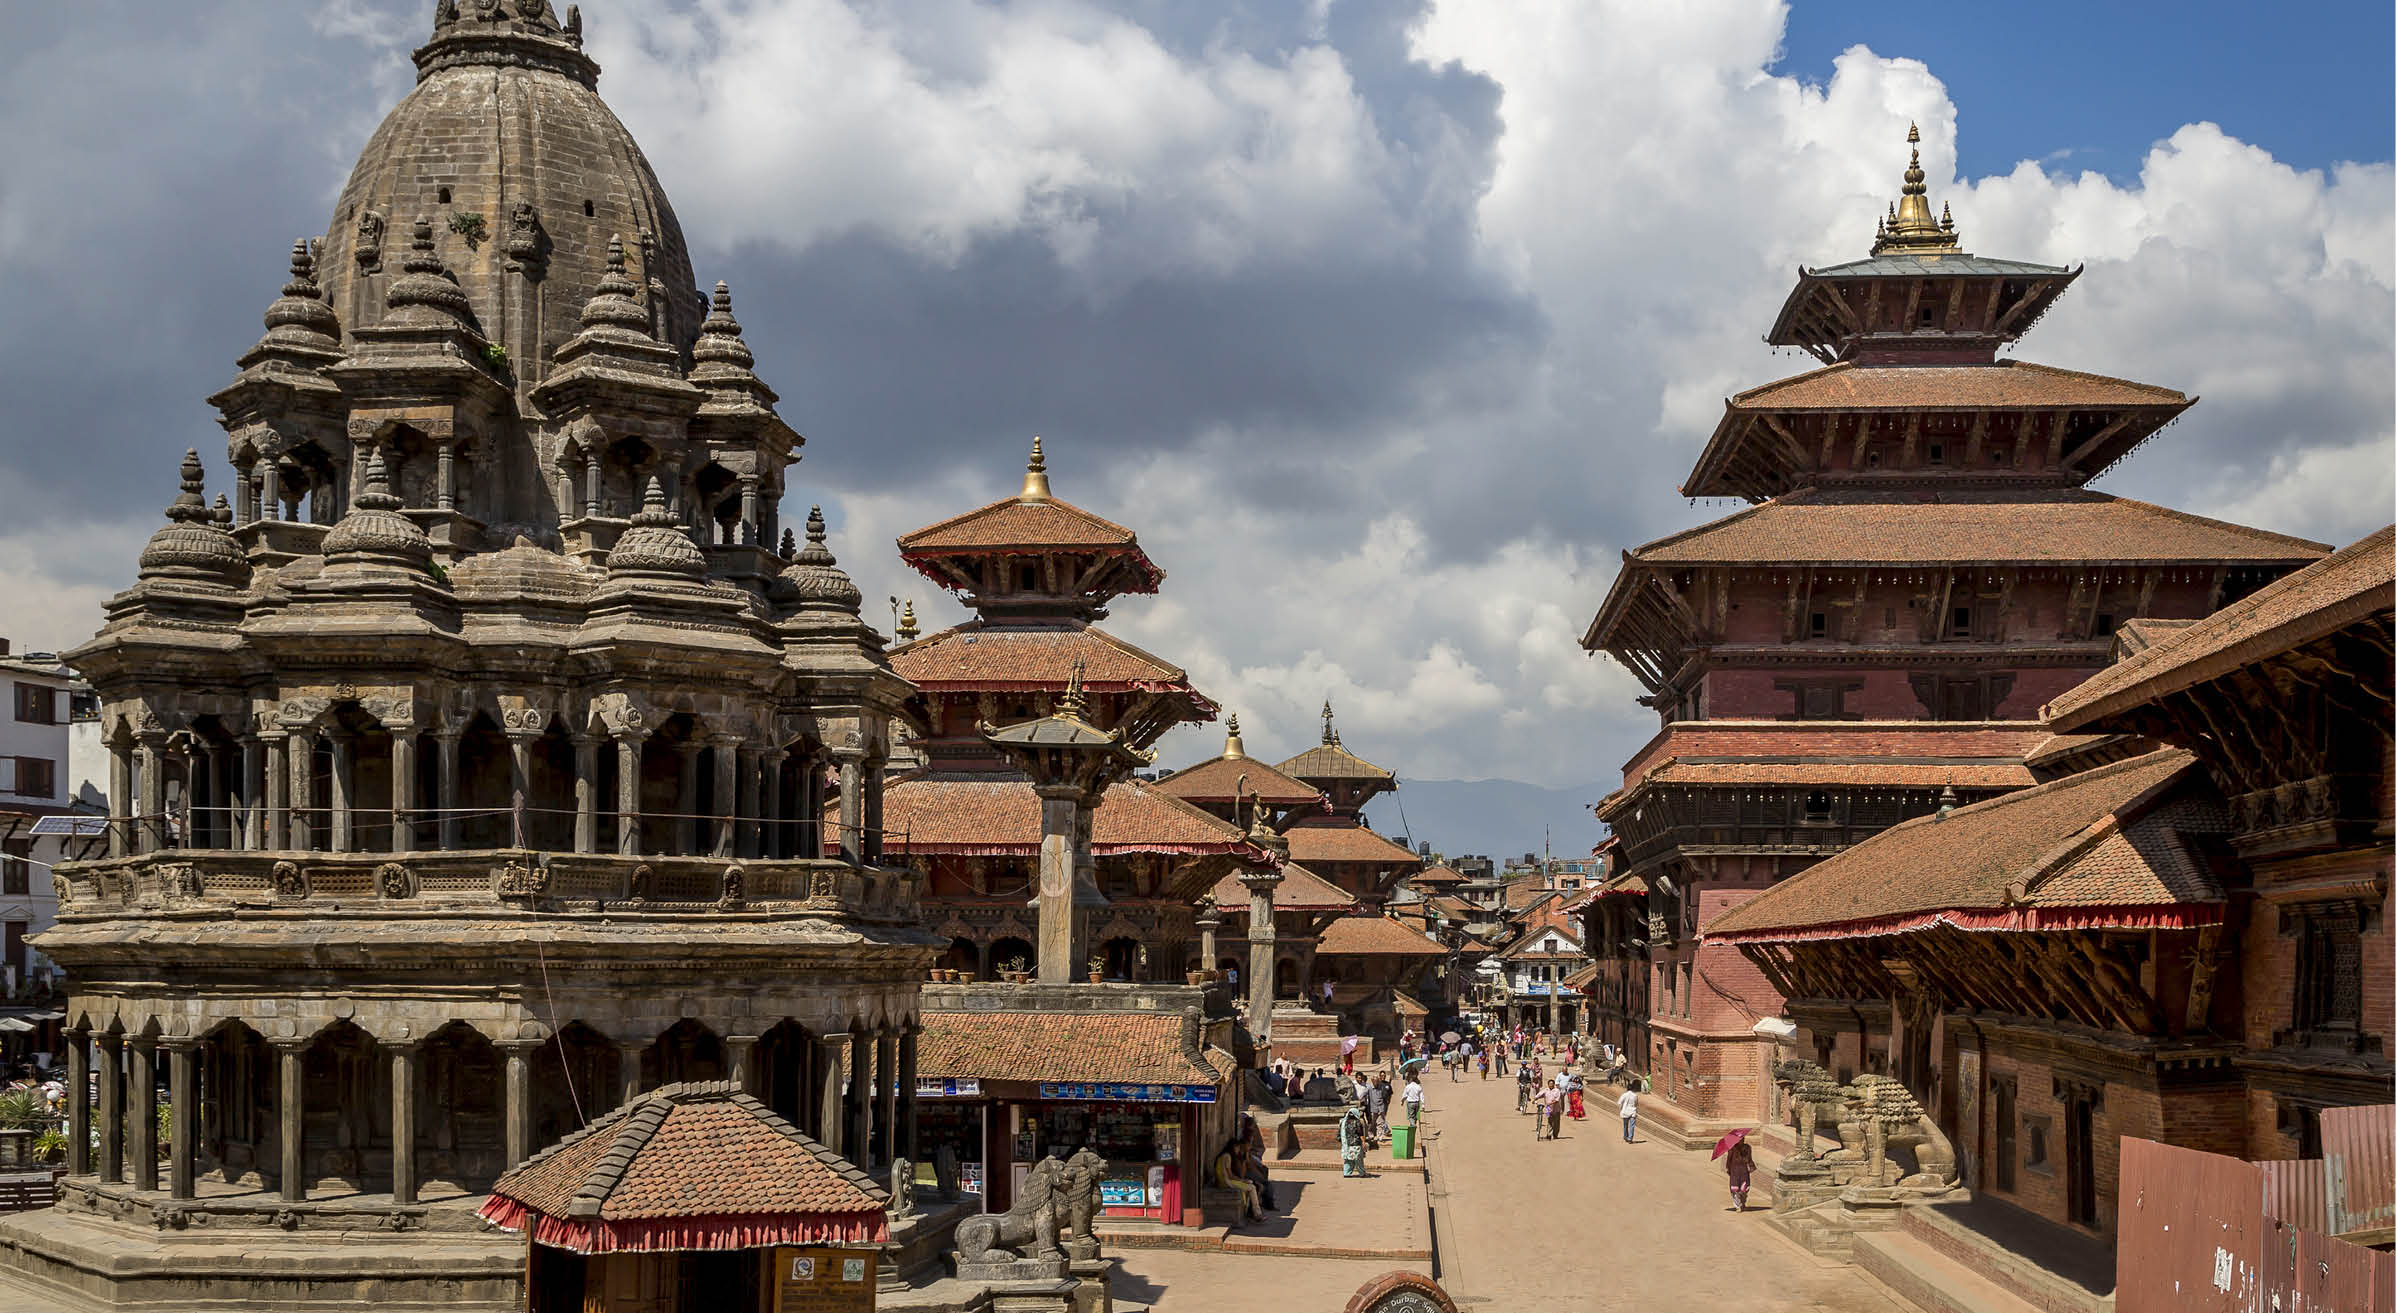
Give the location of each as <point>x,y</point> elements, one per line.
<point>445,782</point>
<point>747,833</point>
<point>253,774</point>
<point>1260,886</point>
<point>771,841</point>
<point>79,1109</point>
<point>112,1107</point>
<point>121,807</point>
<point>518,1114</point>
<point>586,794</point>
<point>150,765</point>
<point>852,808</point>
<point>183,1149</point>
<point>830,1101</point>
<point>403,789</point>
<point>340,787</point>
<point>872,835</point>
<point>290,1108</point>
<point>277,792</point>
<point>628,1069</point>
<point>1209,921</point>
<point>223,829</point>
<point>727,790</point>
<point>1058,806</point>
<point>592,467</point>
<point>302,755</point>
<point>860,1102</point>
<point>519,775</point>
<point>270,489</point>
<point>403,1120</point>
<point>906,1092</point>
<point>628,793</point>
<point>141,1098</point>
<point>445,477</point>
<point>886,1136</point>
<point>740,1054</point>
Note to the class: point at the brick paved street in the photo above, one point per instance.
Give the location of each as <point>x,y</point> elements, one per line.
<point>1585,1223</point>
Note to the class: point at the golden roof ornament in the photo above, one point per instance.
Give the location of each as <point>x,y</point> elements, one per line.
<point>906,622</point>
<point>1233,749</point>
<point>1909,229</point>
<point>1035,477</point>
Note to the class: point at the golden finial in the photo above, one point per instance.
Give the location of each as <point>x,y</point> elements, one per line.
<point>906,622</point>
<point>1233,749</point>
<point>1909,226</point>
<point>1035,477</point>
<point>1326,720</point>
<point>1073,703</point>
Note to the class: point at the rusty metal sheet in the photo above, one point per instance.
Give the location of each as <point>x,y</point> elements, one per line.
<point>2191,1231</point>
<point>2307,1272</point>
<point>2358,1150</point>
<point>2294,1193</point>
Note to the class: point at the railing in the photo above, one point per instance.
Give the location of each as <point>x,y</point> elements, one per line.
<point>177,880</point>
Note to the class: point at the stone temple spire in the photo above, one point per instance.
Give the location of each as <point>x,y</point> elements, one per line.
<point>426,293</point>
<point>302,332</point>
<point>374,532</point>
<point>192,545</point>
<point>722,363</point>
<point>1909,227</point>
<point>815,575</point>
<point>655,546</point>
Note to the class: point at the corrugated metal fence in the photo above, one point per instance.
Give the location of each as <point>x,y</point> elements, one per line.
<point>2199,1235</point>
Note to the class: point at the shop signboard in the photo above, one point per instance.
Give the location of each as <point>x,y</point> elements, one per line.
<point>947,1087</point>
<point>1124,1192</point>
<point>1127,1093</point>
<point>818,1279</point>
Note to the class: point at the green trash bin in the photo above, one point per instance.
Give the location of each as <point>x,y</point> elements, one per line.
<point>1401,1141</point>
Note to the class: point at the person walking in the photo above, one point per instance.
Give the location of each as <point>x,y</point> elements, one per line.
<point>1629,1108</point>
<point>1483,1059</point>
<point>1522,1088</point>
<point>1414,1101</point>
<point>1376,1109</point>
<point>1739,1164</point>
<point>1497,1053</point>
<point>1351,1142</point>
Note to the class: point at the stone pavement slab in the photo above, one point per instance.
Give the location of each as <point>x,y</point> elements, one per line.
<point>1171,1281</point>
<point>1590,1223</point>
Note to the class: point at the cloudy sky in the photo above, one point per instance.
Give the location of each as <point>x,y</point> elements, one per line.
<point>1388,326</point>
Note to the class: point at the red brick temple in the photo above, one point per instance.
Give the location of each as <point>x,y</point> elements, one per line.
<point>1038,573</point>
<point>1921,568</point>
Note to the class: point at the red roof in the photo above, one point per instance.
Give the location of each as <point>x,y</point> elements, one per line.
<point>1001,818</point>
<point>978,655</point>
<point>1218,779</point>
<point>2006,384</point>
<point>1033,525</point>
<point>2122,844</point>
<point>2345,588</point>
<point>1300,890</point>
<point>1343,843</point>
<point>692,1166</point>
<point>1141,1047</point>
<point>1364,934</point>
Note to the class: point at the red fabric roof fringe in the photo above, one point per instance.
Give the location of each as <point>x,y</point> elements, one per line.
<point>1096,849</point>
<point>2180,916</point>
<point>664,1234</point>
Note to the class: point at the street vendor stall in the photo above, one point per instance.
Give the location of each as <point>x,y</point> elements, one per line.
<point>1002,1091</point>
<point>693,1198</point>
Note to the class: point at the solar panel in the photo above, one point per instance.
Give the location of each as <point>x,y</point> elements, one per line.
<point>80,827</point>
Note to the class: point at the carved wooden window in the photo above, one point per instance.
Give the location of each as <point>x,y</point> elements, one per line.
<point>2329,972</point>
<point>1820,699</point>
<point>1817,809</point>
<point>1818,625</point>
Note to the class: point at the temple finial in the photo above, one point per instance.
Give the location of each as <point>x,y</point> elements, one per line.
<point>1909,226</point>
<point>906,623</point>
<point>377,495</point>
<point>1074,704</point>
<point>1326,720</point>
<point>1035,477</point>
<point>193,503</point>
<point>1233,749</point>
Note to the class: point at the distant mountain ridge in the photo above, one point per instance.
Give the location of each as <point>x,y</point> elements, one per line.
<point>1495,818</point>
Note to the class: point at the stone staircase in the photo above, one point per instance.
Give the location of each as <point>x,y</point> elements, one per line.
<point>1312,1039</point>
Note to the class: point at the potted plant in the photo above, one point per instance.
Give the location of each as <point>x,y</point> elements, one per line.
<point>1198,977</point>
<point>1015,970</point>
<point>1097,968</point>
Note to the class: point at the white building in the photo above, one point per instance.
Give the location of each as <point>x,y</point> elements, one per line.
<point>39,807</point>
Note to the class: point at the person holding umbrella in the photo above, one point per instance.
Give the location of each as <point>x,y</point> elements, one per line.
<point>1738,1162</point>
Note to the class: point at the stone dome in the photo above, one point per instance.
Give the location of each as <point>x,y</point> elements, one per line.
<point>654,546</point>
<point>523,172</point>
<point>374,530</point>
<point>815,578</point>
<point>193,545</point>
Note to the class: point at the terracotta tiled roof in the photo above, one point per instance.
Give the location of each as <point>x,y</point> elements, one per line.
<point>1014,522</point>
<point>1364,934</point>
<point>1453,907</point>
<point>977,655</point>
<point>2120,836</point>
<point>2354,584</point>
<point>1960,742</point>
<point>1146,1047</point>
<point>1436,876</point>
<point>1001,817</point>
<point>1977,775</point>
<point>695,1151</point>
<point>1332,761</point>
<point>1215,780</point>
<point>2007,383</point>
<point>1580,980</point>
<point>1300,890</point>
<point>1526,892</point>
<point>1850,526</point>
<point>1343,843</point>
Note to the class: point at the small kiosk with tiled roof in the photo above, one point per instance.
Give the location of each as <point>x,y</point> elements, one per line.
<point>1921,568</point>
<point>693,1198</point>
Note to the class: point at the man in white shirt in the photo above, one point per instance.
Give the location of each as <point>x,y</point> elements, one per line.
<point>1414,1101</point>
<point>1629,1108</point>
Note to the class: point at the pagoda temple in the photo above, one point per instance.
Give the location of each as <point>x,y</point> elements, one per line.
<point>1038,573</point>
<point>1921,568</point>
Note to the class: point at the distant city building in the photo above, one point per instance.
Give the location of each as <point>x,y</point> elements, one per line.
<point>42,821</point>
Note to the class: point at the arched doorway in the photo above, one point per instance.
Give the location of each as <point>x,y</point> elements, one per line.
<point>461,1134</point>
<point>1124,958</point>
<point>1012,954</point>
<point>687,1052</point>
<point>575,1078</point>
<point>345,1106</point>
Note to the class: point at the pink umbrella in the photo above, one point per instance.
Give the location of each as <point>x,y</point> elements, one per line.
<point>1730,1141</point>
<point>1347,1043</point>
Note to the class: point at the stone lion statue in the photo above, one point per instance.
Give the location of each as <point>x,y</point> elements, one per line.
<point>1885,1115</point>
<point>1079,1190</point>
<point>1026,1230</point>
<point>1811,1092</point>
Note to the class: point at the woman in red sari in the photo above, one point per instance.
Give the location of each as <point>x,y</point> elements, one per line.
<point>1577,1113</point>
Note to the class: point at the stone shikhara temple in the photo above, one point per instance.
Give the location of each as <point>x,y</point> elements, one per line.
<point>1921,569</point>
<point>468,761</point>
